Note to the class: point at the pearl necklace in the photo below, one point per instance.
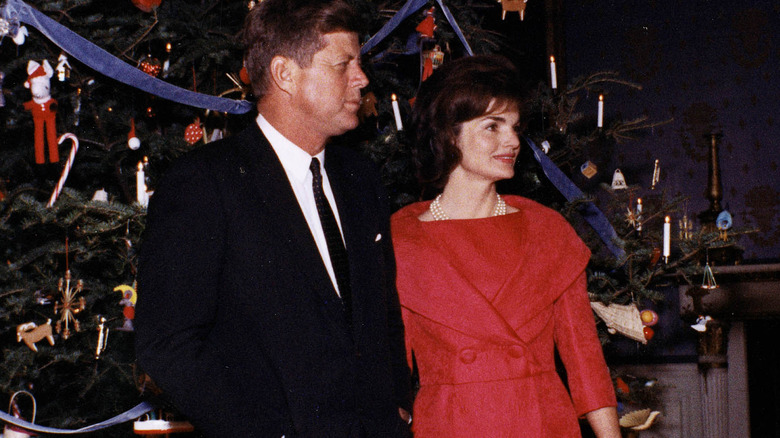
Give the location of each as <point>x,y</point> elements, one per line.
<point>439,215</point>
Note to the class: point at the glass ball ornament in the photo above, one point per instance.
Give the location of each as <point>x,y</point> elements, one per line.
<point>193,133</point>
<point>649,317</point>
<point>146,5</point>
<point>150,65</point>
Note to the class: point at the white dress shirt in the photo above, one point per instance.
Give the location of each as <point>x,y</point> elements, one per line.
<point>296,162</point>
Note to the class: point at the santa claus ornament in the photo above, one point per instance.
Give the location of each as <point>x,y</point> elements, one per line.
<point>132,139</point>
<point>428,25</point>
<point>43,109</point>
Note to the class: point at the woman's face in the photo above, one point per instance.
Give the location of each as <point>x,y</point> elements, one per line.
<point>489,145</point>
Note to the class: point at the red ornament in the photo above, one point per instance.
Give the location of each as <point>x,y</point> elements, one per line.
<point>193,133</point>
<point>427,26</point>
<point>649,333</point>
<point>146,5</point>
<point>244,76</point>
<point>622,386</point>
<point>656,256</point>
<point>150,65</point>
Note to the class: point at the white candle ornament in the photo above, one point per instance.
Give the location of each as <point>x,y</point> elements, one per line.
<point>600,122</point>
<point>667,238</point>
<point>639,217</point>
<point>167,63</point>
<point>397,113</point>
<point>656,175</point>
<point>140,185</point>
<point>553,75</point>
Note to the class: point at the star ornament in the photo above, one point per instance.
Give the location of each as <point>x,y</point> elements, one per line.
<point>631,218</point>
<point>69,305</point>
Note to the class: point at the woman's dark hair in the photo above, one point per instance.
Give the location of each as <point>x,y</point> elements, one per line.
<point>458,91</point>
<point>291,28</point>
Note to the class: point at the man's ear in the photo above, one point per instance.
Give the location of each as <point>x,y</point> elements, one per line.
<point>283,73</point>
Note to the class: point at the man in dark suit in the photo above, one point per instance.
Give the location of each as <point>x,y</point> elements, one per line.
<point>267,304</point>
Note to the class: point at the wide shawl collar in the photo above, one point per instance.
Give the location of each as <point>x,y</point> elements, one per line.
<point>548,257</point>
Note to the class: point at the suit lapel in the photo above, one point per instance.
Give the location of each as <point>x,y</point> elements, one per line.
<point>279,203</point>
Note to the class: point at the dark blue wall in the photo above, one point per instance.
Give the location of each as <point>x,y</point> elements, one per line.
<point>708,66</point>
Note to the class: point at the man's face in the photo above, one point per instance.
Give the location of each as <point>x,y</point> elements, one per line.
<point>327,93</point>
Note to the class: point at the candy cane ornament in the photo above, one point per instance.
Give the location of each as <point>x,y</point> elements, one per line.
<point>68,165</point>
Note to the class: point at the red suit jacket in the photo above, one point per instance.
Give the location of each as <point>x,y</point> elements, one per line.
<point>486,302</point>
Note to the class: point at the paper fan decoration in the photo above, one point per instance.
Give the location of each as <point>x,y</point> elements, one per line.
<point>639,420</point>
<point>621,318</point>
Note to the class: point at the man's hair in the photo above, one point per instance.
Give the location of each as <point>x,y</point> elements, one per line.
<point>293,29</point>
<point>458,91</point>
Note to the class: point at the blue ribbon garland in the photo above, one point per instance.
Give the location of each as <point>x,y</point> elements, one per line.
<point>568,189</point>
<point>455,26</point>
<point>409,8</point>
<point>16,11</point>
<point>406,10</point>
<point>571,192</point>
<point>126,416</point>
<point>113,67</point>
<point>91,55</point>
<point>98,59</point>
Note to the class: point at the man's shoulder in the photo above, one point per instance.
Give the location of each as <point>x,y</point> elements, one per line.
<point>214,161</point>
<point>351,159</point>
<point>228,149</point>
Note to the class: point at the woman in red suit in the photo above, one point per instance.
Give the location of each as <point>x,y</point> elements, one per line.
<point>492,285</point>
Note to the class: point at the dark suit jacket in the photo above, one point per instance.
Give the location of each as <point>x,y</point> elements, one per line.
<point>237,319</point>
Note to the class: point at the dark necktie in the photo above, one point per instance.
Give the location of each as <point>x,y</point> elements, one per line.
<point>336,249</point>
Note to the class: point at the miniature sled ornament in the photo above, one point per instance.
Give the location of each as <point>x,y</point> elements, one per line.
<point>11,431</point>
<point>150,426</point>
<point>124,417</point>
<point>621,318</point>
<point>639,420</point>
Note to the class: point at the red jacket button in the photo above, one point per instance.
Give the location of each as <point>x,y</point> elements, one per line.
<point>516,351</point>
<point>468,356</point>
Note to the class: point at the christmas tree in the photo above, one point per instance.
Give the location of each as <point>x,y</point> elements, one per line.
<point>70,225</point>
